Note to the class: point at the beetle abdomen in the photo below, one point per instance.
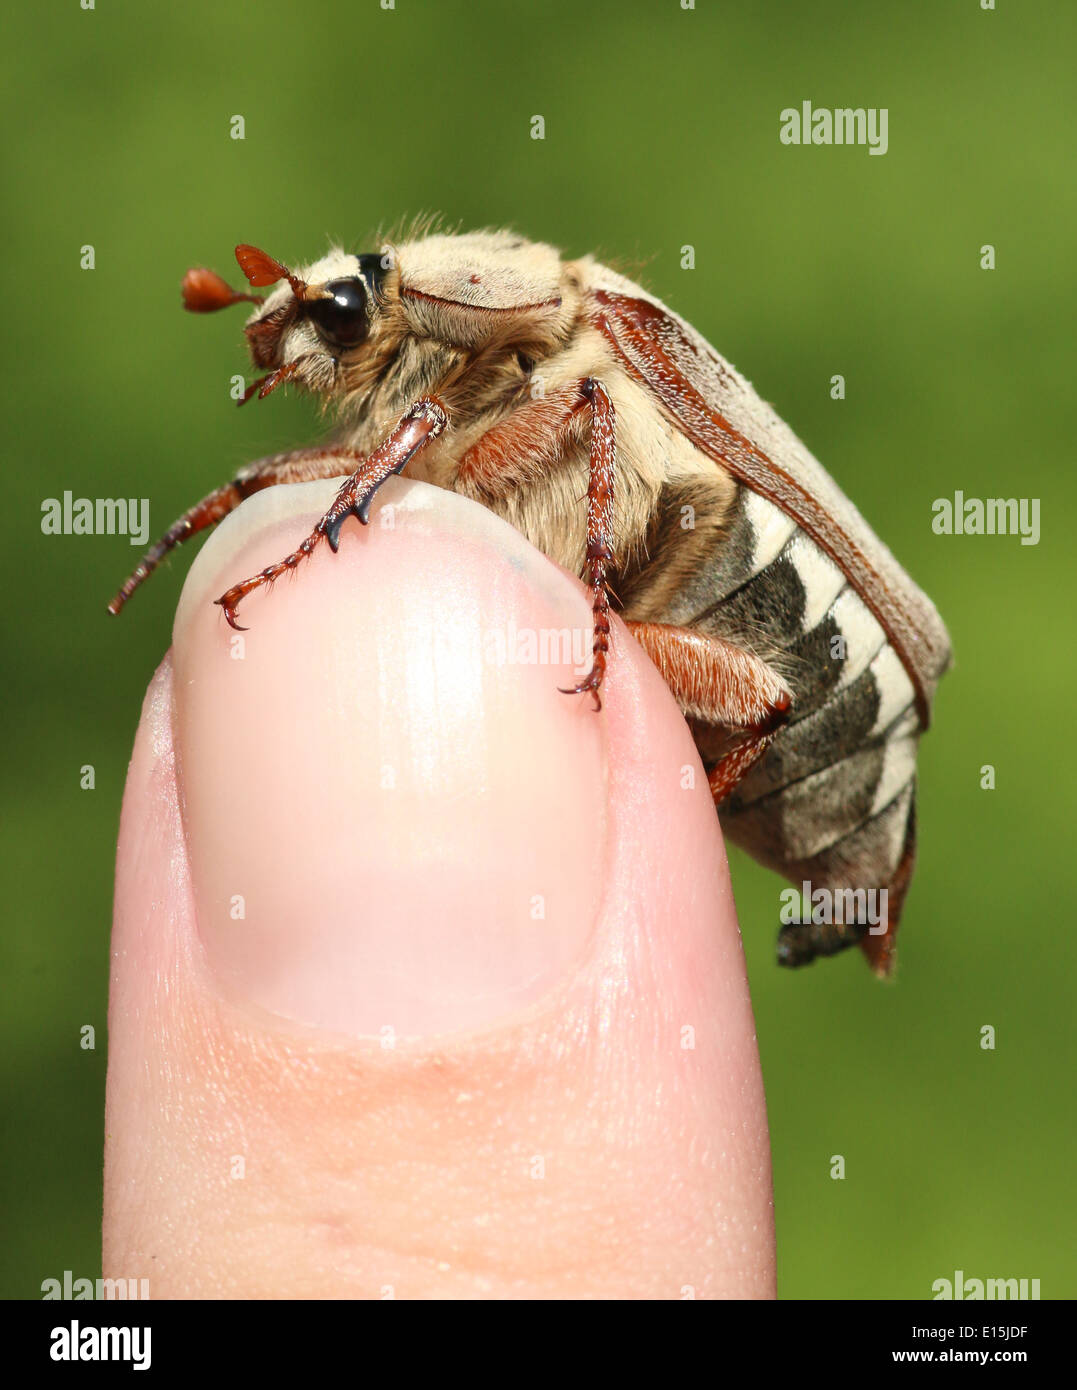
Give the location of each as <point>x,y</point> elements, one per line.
<point>831,801</point>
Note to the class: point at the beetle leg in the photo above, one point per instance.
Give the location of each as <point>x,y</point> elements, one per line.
<point>522,449</point>
<point>536,437</point>
<point>296,466</point>
<point>722,684</point>
<point>421,423</point>
<point>599,531</point>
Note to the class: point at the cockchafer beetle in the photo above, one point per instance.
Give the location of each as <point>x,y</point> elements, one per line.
<point>567,399</point>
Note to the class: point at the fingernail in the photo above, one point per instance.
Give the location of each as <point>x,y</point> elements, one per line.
<point>395,821</point>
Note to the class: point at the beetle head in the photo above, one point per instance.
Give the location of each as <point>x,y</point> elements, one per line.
<point>311,327</point>
<point>338,326</point>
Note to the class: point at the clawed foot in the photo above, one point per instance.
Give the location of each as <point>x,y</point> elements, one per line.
<point>231,600</point>
<point>228,602</point>
<point>352,500</point>
<point>423,422</point>
<point>591,682</point>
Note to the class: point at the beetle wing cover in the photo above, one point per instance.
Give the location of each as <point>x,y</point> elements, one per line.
<point>717,409</point>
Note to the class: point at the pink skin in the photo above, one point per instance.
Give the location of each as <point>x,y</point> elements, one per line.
<point>480,1026</point>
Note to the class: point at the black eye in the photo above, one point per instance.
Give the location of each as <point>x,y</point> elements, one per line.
<point>341,318</point>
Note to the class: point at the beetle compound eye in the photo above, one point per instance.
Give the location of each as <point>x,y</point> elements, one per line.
<point>341,316</point>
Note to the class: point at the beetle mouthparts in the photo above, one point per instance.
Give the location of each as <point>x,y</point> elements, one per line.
<point>265,384</point>
<point>261,269</point>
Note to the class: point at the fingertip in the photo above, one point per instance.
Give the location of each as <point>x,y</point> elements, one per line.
<point>392,814</point>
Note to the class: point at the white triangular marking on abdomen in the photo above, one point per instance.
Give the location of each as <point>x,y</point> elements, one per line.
<point>895,689</point>
<point>862,633</point>
<point>822,579</point>
<point>771,530</point>
<point>899,766</point>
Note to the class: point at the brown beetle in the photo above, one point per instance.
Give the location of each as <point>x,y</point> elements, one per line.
<point>802,655</point>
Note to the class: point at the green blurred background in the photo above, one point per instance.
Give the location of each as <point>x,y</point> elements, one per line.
<point>661,130</point>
